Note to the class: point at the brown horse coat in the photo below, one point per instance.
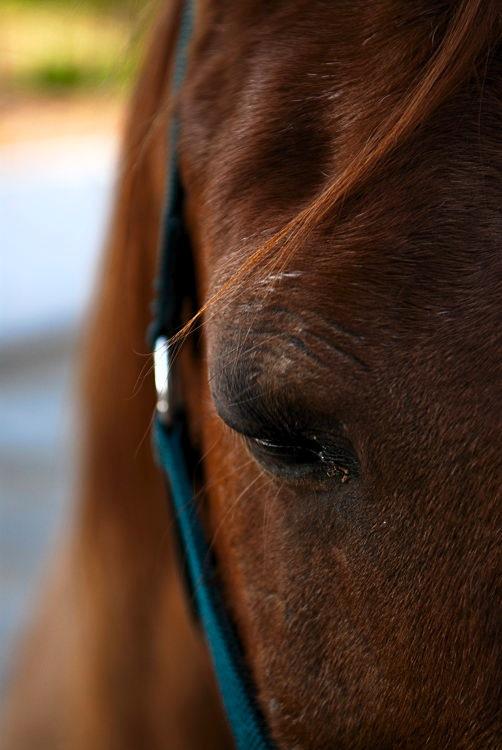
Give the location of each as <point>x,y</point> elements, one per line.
<point>357,353</point>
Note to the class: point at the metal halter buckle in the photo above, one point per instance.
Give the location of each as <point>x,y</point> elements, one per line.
<point>163,377</point>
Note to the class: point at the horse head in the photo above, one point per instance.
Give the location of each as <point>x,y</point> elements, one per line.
<point>341,165</point>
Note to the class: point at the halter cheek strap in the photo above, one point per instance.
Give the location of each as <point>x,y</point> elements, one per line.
<point>173,287</point>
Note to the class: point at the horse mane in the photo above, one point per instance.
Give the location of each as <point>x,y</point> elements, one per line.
<point>126,556</point>
<point>470,31</point>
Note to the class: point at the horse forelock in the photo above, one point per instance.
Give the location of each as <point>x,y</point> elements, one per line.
<point>459,40</point>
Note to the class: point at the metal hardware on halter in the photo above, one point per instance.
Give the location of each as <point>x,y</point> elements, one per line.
<point>175,284</point>
<point>163,378</point>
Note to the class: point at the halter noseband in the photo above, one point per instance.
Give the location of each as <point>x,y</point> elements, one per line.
<point>175,284</point>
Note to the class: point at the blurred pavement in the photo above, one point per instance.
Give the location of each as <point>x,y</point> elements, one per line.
<point>54,199</point>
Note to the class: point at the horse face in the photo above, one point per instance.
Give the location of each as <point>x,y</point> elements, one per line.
<point>350,440</point>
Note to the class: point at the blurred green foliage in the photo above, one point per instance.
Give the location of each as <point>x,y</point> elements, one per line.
<point>70,45</point>
<point>106,6</point>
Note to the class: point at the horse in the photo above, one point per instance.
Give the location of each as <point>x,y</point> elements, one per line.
<point>341,168</point>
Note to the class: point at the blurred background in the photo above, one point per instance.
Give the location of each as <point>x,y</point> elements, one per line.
<point>66,68</point>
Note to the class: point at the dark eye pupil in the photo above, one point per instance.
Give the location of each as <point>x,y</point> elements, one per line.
<point>288,452</point>
<point>305,456</point>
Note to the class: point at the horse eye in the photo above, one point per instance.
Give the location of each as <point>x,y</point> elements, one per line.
<point>305,458</point>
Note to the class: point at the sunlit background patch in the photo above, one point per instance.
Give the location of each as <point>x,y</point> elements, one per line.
<point>65,73</point>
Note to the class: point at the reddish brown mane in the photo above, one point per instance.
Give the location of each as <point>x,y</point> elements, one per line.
<point>96,678</point>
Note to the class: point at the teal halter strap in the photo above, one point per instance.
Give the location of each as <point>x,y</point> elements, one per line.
<point>173,287</point>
